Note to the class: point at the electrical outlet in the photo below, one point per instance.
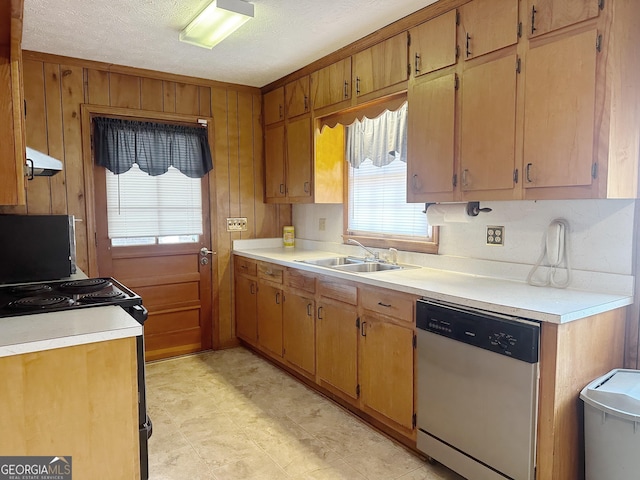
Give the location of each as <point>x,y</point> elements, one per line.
<point>495,235</point>
<point>322,224</point>
<point>237,224</point>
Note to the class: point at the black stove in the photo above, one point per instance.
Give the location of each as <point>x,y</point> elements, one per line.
<point>29,298</point>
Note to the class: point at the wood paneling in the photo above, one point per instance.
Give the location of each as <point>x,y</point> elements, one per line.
<point>236,183</point>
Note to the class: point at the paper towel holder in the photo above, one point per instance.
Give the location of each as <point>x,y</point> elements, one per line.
<point>473,209</point>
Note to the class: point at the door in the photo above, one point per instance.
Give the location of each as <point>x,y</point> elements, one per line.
<point>548,15</point>
<point>433,44</point>
<point>173,279</point>
<point>299,158</point>
<point>246,309</point>
<point>298,332</point>
<point>274,162</point>
<point>270,318</point>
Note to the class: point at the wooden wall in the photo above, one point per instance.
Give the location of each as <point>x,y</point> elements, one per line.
<point>56,87</point>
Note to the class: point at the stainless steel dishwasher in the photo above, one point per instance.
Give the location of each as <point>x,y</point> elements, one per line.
<point>477,390</point>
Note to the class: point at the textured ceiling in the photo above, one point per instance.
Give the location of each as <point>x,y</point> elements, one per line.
<point>284,35</point>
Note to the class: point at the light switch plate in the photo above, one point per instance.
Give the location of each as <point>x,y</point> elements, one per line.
<point>237,224</point>
<point>495,235</point>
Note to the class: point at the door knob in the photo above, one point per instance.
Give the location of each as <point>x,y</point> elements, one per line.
<point>204,261</point>
<point>204,251</point>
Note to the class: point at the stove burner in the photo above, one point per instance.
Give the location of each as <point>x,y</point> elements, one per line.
<point>41,303</point>
<point>102,296</point>
<point>85,286</point>
<point>31,289</point>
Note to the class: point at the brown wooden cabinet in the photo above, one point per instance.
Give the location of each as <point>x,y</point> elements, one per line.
<point>488,127</point>
<point>274,159</point>
<point>487,26</point>
<point>270,318</point>
<point>382,65</point>
<point>332,84</point>
<point>299,159</point>
<point>560,113</point>
<point>274,106</point>
<point>298,331</point>
<point>246,295</point>
<point>297,97</point>
<point>548,15</point>
<point>12,132</point>
<point>431,139</point>
<point>433,44</point>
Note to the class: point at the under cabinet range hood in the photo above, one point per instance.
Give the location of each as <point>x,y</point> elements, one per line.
<point>40,164</point>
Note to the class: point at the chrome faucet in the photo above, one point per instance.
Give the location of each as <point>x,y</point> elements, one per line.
<point>372,257</point>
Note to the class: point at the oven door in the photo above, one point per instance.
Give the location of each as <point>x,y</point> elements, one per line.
<point>476,409</point>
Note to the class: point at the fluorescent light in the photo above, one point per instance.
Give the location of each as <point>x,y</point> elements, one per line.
<point>216,22</point>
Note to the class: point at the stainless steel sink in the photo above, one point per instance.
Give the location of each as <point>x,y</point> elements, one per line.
<point>334,261</point>
<point>367,267</point>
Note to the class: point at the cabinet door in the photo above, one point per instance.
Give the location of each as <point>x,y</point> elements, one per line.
<point>246,304</point>
<point>548,15</point>
<point>274,162</point>
<point>331,84</point>
<point>488,25</point>
<point>387,369</point>
<point>299,158</point>
<point>382,65</point>
<point>487,146</point>
<point>270,318</point>
<point>337,347</point>
<point>433,44</point>
<point>298,331</point>
<point>430,139</point>
<point>274,106</point>
<point>559,112</point>
<point>297,97</point>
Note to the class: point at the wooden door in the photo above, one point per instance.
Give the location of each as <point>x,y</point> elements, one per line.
<point>547,15</point>
<point>297,97</point>
<point>488,25</point>
<point>331,84</point>
<point>270,318</point>
<point>337,347</point>
<point>299,158</point>
<point>386,375</point>
<point>433,44</point>
<point>298,331</point>
<point>559,112</point>
<point>487,145</point>
<point>382,65</point>
<point>246,309</point>
<point>430,140</point>
<point>274,162</point>
<point>274,106</point>
<point>174,281</point>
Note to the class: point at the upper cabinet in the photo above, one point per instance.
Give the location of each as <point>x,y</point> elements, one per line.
<point>548,15</point>
<point>433,44</point>
<point>488,25</point>
<point>381,66</point>
<point>274,106</point>
<point>12,136</point>
<point>297,97</point>
<point>332,84</point>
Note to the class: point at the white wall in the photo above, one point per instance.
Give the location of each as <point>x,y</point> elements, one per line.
<point>601,238</point>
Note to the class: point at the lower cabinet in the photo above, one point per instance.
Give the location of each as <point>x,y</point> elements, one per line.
<point>270,318</point>
<point>298,331</point>
<point>246,305</point>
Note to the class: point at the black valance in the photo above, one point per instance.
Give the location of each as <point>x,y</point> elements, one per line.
<point>153,146</point>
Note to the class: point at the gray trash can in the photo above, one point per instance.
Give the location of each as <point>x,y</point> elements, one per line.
<point>612,426</point>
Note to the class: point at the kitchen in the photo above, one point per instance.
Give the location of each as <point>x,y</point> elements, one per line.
<point>55,87</point>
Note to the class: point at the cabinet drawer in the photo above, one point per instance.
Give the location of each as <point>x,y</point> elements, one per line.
<point>301,280</point>
<point>270,272</point>
<point>388,302</point>
<point>336,290</point>
<point>245,266</point>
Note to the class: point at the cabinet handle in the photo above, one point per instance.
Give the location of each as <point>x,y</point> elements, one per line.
<point>464,177</point>
<point>468,46</point>
<point>282,188</point>
<point>306,187</point>
<point>388,305</point>
<point>244,267</point>
<point>346,89</point>
<point>414,182</point>
<point>533,19</point>
<point>306,103</point>
<point>417,63</point>
<point>319,313</point>
<point>278,298</point>
<point>309,310</point>
<point>527,174</point>
<point>357,85</point>
<point>363,330</point>
<point>252,289</point>
<point>279,111</point>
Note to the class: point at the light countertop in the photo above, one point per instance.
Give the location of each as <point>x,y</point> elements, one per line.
<point>46,331</point>
<point>490,293</point>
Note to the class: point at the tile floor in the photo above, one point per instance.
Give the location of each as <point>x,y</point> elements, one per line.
<point>230,415</point>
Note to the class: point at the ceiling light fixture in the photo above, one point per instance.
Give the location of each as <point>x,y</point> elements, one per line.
<point>216,22</point>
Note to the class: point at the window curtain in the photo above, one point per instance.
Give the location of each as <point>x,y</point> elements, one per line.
<point>381,139</point>
<point>153,146</point>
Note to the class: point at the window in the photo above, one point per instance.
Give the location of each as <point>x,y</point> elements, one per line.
<point>377,211</point>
